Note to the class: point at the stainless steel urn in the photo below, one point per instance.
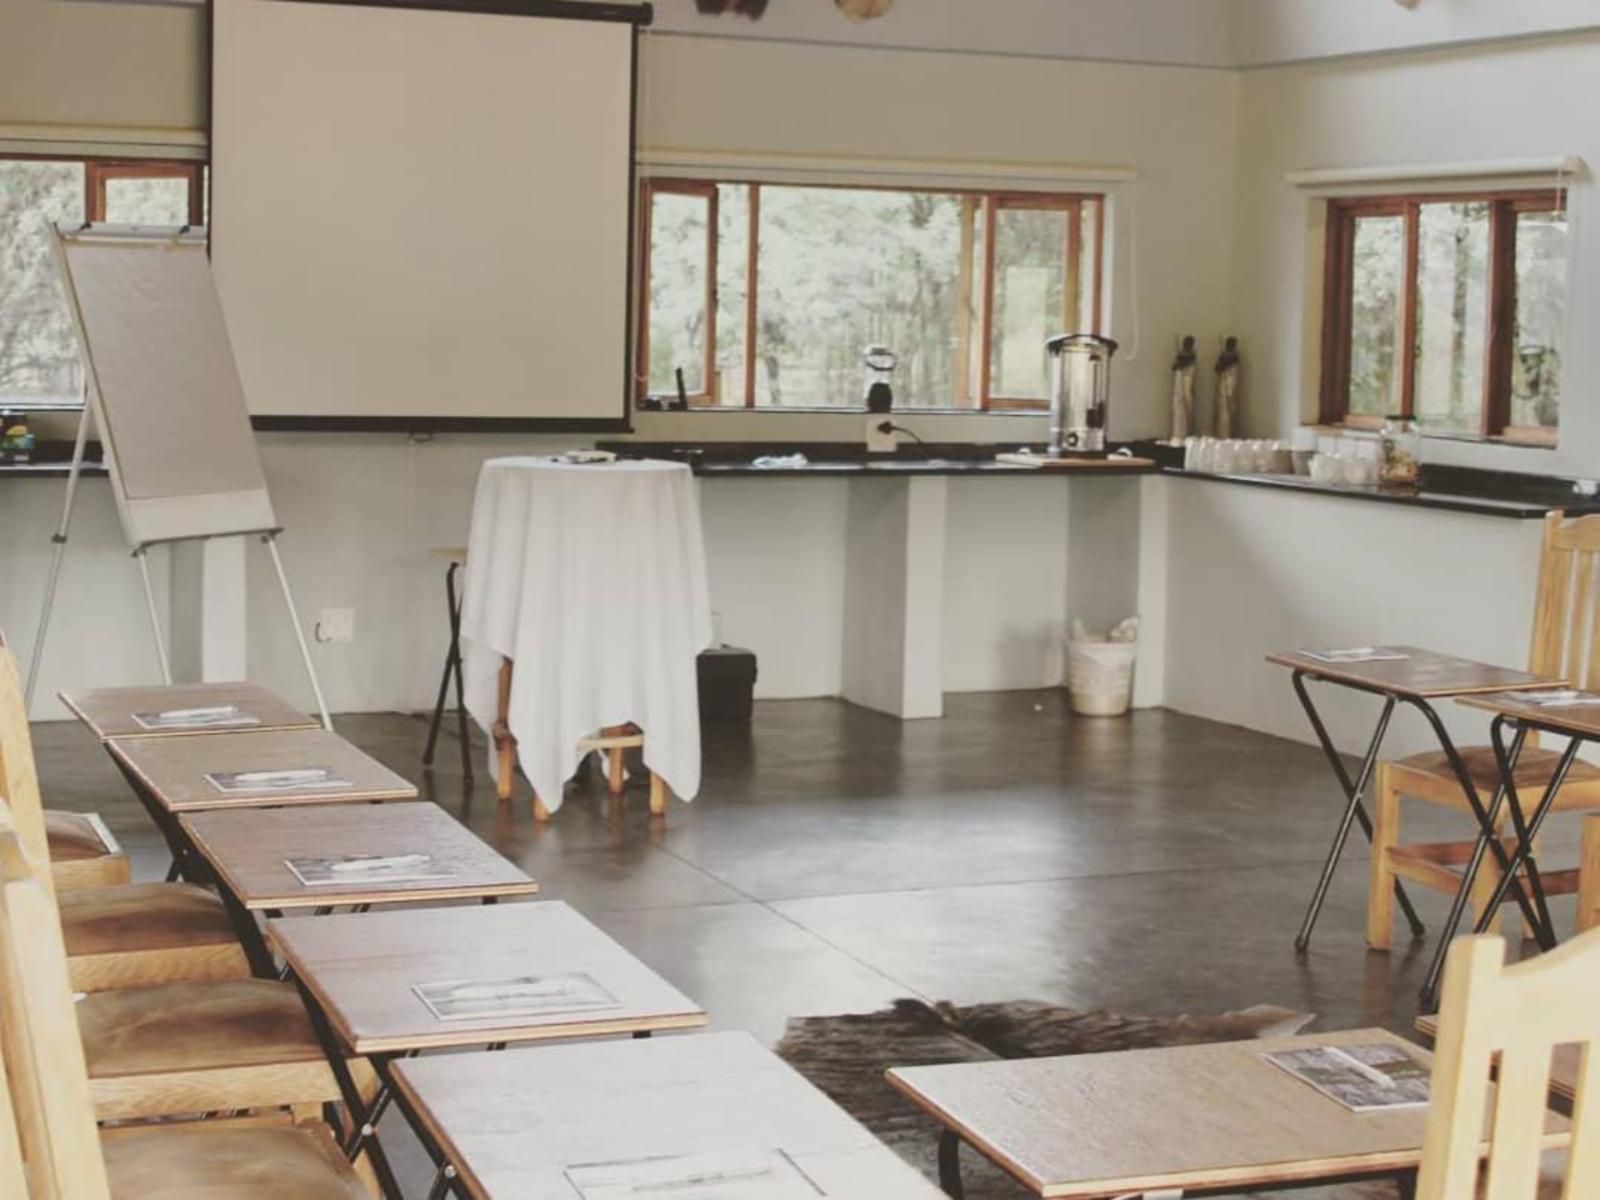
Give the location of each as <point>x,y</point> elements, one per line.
<point>1080,393</point>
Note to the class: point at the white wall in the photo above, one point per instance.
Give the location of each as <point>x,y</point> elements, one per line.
<point>1529,99</point>
<point>1252,571</point>
<point>1281,31</point>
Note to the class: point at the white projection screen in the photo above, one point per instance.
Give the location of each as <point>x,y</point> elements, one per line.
<point>421,210</point>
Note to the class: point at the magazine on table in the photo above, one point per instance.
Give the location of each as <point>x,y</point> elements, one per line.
<point>1558,698</point>
<point>515,996</point>
<point>354,870</point>
<point>296,779</point>
<point>1356,654</point>
<point>1370,1078</point>
<point>704,1175</point>
<point>219,716</point>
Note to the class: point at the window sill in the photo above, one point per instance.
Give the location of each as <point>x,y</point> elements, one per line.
<point>839,411</point>
<point>1525,441</point>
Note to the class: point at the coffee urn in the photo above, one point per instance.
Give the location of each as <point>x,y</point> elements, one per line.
<point>1080,393</point>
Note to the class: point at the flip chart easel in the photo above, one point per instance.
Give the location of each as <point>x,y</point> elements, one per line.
<point>164,392</point>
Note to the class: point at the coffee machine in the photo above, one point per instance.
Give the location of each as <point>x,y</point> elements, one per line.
<point>1080,393</point>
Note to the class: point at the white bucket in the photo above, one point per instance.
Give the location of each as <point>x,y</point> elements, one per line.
<point>1100,676</point>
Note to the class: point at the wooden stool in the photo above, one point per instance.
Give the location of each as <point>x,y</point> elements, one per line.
<point>613,740</point>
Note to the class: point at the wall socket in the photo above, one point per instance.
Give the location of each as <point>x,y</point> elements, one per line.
<point>336,625</point>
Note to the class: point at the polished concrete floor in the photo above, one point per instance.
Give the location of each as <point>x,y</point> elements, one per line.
<point>837,859</point>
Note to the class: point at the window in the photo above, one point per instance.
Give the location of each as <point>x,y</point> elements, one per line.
<point>766,295</point>
<point>39,364</point>
<point>1450,309</point>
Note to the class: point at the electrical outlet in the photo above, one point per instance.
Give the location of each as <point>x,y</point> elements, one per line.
<point>336,625</point>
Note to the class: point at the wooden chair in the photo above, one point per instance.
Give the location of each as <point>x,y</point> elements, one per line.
<point>83,852</point>
<point>1509,1020</point>
<point>1566,644</point>
<point>1589,876</point>
<point>124,935</point>
<point>49,1146</point>
<point>614,741</point>
<point>178,1049</point>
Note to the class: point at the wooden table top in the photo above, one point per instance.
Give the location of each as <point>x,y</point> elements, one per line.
<point>363,969</point>
<point>520,1127</point>
<point>1578,720</point>
<point>1421,673</point>
<point>1192,1117</point>
<point>174,770</point>
<point>116,712</point>
<point>250,848</point>
<point>1565,1063</point>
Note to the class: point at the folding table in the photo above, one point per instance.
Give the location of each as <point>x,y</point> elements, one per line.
<point>175,775</point>
<point>365,977</point>
<point>709,1114</point>
<point>1417,677</point>
<point>184,710</point>
<point>250,852</point>
<point>1574,716</point>
<point>1207,1120</point>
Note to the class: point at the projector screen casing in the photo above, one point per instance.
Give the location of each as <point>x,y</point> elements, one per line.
<point>433,206</point>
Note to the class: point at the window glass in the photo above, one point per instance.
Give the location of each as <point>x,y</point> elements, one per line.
<point>733,289</point>
<point>1089,250</point>
<point>155,200</point>
<point>840,270</point>
<point>1452,328</point>
<point>38,353</point>
<point>678,257</point>
<point>1540,319</point>
<point>1030,300</point>
<point>1377,285</point>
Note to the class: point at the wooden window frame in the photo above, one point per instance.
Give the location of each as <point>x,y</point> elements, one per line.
<point>100,171</point>
<point>1500,304</point>
<point>979,220</point>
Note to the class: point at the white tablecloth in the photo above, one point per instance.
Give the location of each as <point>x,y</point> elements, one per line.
<point>592,579</point>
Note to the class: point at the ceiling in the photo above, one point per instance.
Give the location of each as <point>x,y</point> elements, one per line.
<point>1200,33</point>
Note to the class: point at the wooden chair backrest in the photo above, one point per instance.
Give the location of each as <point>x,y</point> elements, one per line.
<point>19,777</point>
<point>1566,615</point>
<point>45,1070</point>
<point>13,1178</point>
<point>1518,1015</point>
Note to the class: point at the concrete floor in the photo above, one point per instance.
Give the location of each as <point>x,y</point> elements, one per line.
<point>837,859</point>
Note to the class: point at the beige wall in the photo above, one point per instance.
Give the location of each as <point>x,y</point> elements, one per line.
<point>101,64</point>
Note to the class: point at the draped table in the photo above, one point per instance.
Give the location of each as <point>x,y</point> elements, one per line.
<point>591,578</point>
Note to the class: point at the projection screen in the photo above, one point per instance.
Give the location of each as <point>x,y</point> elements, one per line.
<point>421,211</point>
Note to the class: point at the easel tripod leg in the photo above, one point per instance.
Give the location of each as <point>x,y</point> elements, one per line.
<point>271,540</point>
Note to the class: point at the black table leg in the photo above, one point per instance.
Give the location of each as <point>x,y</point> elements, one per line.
<point>363,1117</point>
<point>950,1164</point>
<point>1526,831</point>
<point>443,1183</point>
<point>1354,811</point>
<point>454,662</point>
<point>1489,839</point>
<point>452,670</point>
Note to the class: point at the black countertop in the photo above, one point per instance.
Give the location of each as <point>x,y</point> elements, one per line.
<point>1424,497</point>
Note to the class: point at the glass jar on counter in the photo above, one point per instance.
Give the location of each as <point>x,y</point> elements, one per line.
<point>1400,465</point>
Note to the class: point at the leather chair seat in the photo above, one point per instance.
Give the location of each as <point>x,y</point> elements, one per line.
<point>195,1027</point>
<point>1534,769</point>
<point>72,837</point>
<point>143,916</point>
<point>204,1162</point>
